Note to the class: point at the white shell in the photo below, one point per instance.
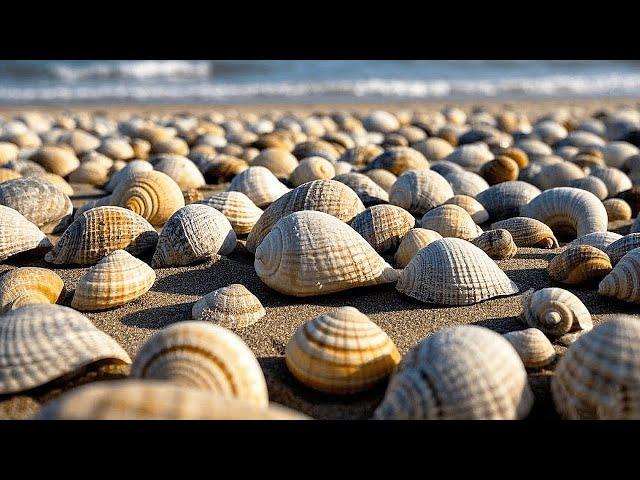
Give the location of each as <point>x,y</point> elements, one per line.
<point>623,282</point>
<point>260,185</point>
<point>17,234</point>
<point>231,307</point>
<point>418,191</point>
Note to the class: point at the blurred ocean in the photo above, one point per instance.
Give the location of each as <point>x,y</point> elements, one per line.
<point>306,81</point>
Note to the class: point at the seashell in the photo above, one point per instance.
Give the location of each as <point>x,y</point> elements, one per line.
<point>632,197</point>
<point>459,373</point>
<point>277,139</point>
<point>587,160</point>
<point>141,148</point>
<point>115,280</point>
<point>434,148</point>
<point>549,131</point>
<point>568,210</point>
<point>172,146</point>
<point>534,148</point>
<point>369,192</point>
<point>418,191</point>
<point>232,307</point>
<point>341,352</point>
<point>617,209</point>
<point>132,167</point>
<point>312,168</point>
<point>474,208</point>
<point>342,168</point>
<point>582,139</point>
<point>471,156</point>
<point>26,168</point>
<point>500,169</point>
<point>8,174</point>
<point>205,356</point>
<point>44,343</point>
<point>591,184</point>
<point>23,140</point>
<point>339,139</point>
<point>182,170</point>
<point>382,177</point>
<point>528,232</point>
<point>617,153</point>
<point>117,149</point>
<point>220,168</point>
<point>56,160</point>
<point>280,162</point>
<point>453,271</point>
<point>100,231</point>
<point>533,346</point>
<point>326,196</point>
<point>8,152</point>
<point>17,234</point>
<point>394,140</point>
<point>466,183</point>
<point>413,241</point>
<point>622,246</point>
<point>79,141</point>
<point>150,400</point>
<point>558,174</point>
<point>579,264</point>
<point>622,281</point>
<point>383,226</point>
<point>599,240</point>
<point>455,115</point>
<point>91,173</point>
<point>57,181</point>
<point>27,285</point>
<point>260,185</point>
<point>451,221</point>
<point>399,160</point>
<point>519,156</point>
<point>40,202</point>
<point>313,253</point>
<point>195,232</point>
<point>237,207</point>
<point>615,180</point>
<point>380,121</point>
<point>360,156</point>
<point>445,167</point>
<point>597,378</point>
<point>498,244</point>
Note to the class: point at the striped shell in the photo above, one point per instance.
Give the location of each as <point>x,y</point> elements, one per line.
<point>27,285</point>
<point>618,249</point>
<point>241,212</point>
<point>418,191</point>
<point>617,209</point>
<point>498,244</point>
<point>600,240</point>
<point>382,177</point>
<point>615,180</point>
<point>451,221</point>
<point>399,160</point>
<point>232,307</point>
<point>528,232</point>
<point>17,234</point>
<point>181,170</point>
<point>466,183</point>
<point>414,240</point>
<point>473,207</point>
<point>280,162</point>
<point>505,200</point>
<point>56,160</point>
<point>131,168</point>
<point>383,226</point>
<point>533,346</point>
<point>312,168</point>
<point>591,184</point>
<point>260,185</point>
<point>579,264</point>
<point>623,282</point>
<point>369,192</point>
<point>501,169</point>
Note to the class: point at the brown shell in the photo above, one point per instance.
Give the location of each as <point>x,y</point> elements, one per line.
<point>579,264</point>
<point>400,159</point>
<point>501,169</point>
<point>528,232</point>
<point>617,209</point>
<point>498,244</point>
<point>516,154</point>
<point>383,226</point>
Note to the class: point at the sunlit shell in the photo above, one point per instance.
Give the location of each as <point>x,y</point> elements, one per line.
<point>132,167</point>
<point>260,185</point>
<point>80,141</point>
<point>624,280</point>
<point>617,153</point>
<point>312,168</point>
<point>27,285</point>
<point>528,232</point>
<point>399,160</point>
<point>516,154</point>
<point>615,180</point>
<point>533,346</point>
<point>501,169</point>
<point>8,152</point>
<point>505,200</point>
<point>370,192</point>
<point>498,244</point>
<point>92,172</point>
<point>182,170</point>
<point>474,208</point>
<point>434,148</point>
<point>466,183</point>
<point>617,209</point>
<point>591,184</point>
<point>8,174</point>
<point>632,197</point>
<point>56,160</point>
<point>558,174</point>
<point>18,235</point>
<point>451,221</point>
<point>579,264</point>
<point>117,149</point>
<point>383,226</point>
<point>360,156</point>
<point>600,240</point>
<point>382,177</point>
<point>280,162</point>
<point>471,157</point>
<point>237,207</point>
<point>619,248</point>
<point>414,240</point>
<point>418,191</point>
<point>380,121</point>
<point>232,307</point>
<point>172,146</point>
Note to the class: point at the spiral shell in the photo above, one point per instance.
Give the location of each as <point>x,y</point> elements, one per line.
<point>498,244</point>
<point>383,226</point>
<point>615,180</point>
<point>181,170</point>
<point>312,168</point>
<point>382,177</point>
<point>505,200</point>
<point>501,169</point>
<point>466,183</point>
<point>533,346</point>
<point>418,191</point>
<point>600,240</point>
<point>280,162</point>
<point>56,160</point>
<point>260,185</point>
<point>623,282</point>
<point>8,174</point>
<point>17,234</point>
<point>451,221</point>
<point>370,192</point>
<point>131,168</point>
<point>27,285</point>
<point>591,184</point>
<point>528,232</point>
<point>474,208</point>
<point>579,264</point>
<point>237,207</point>
<point>414,240</point>
<point>399,160</point>
<point>434,148</point>
<point>471,156</point>
<point>232,307</point>
<point>617,209</point>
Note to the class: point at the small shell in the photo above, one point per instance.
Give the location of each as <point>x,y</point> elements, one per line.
<point>232,307</point>
<point>591,184</point>
<point>498,244</point>
<point>550,131</point>
<point>280,162</point>
<point>172,146</point>
<point>452,271</point>
<point>622,246</point>
<point>617,153</point>
<point>312,168</point>
<point>624,280</point>
<point>414,240</point>
<point>360,156</point>
<point>473,207</point>
<point>195,232</point>
<point>615,180</point>
<point>460,373</point>
<point>528,232</point>
<point>501,169</point>
<point>57,181</point>
<point>533,346</point>
<point>205,356</point>
<point>617,209</point>
<point>341,352</point>
<point>117,149</point>
<point>451,221</point>
<point>8,152</point>
<point>579,264</point>
<point>370,192</point>
<point>17,234</point>
<point>221,168</point>
<point>241,212</point>
<point>316,148</point>
<point>79,141</point>
<point>383,226</point>
<point>382,177</point>
<point>27,285</point>
<point>182,170</point>
<point>471,157</point>
<point>56,160</point>
<point>434,148</point>
<point>8,174</point>
<point>558,174</point>
<point>91,172</point>
<point>519,156</point>
<point>260,185</point>
<point>632,197</point>
<point>600,240</point>
<point>313,253</point>
<point>398,160</point>
<point>418,191</point>
<point>505,200</point>
<point>43,343</point>
<point>466,183</point>
<point>381,121</point>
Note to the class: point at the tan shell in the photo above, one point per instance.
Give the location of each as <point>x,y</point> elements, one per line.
<point>93,171</point>
<point>501,169</point>
<point>460,373</point>
<point>316,148</point>
<point>260,185</point>
<point>558,174</point>
<point>312,168</point>
<point>466,183</point>
<point>434,148</point>
<point>622,246</point>
<point>222,167</point>
<point>451,221</point>
<point>280,162</point>
<point>100,231</point>
<point>533,346</point>
<point>471,157</point>
<point>498,244</point>
<point>360,156</point>
<point>131,167</point>
<point>383,226</point>
<point>623,282</point>
<point>8,152</point>
<point>516,154</point>
<point>27,285</point>
<point>57,181</point>
<point>205,356</point>
<point>182,170</point>
<point>24,140</point>
<point>632,197</point>
<point>172,146</point>
<point>398,160</point>
<point>600,240</point>
<point>382,177</point>
<point>326,196</point>
<point>381,121</point>
<point>597,378</point>
<point>313,253</point>
<point>341,352</point>
<point>579,264</point>
<point>194,233</point>
<point>79,141</point>
<point>615,180</point>
<point>17,234</point>
<point>452,271</point>
<point>8,174</point>
<point>591,184</point>
<point>473,207</point>
<point>418,191</point>
<point>505,200</point>
<point>117,149</point>
<point>232,307</point>
<point>528,232</point>
<point>43,343</point>
<point>237,207</point>
<point>414,240</point>
<point>617,209</point>
<point>56,160</point>
<point>369,191</point>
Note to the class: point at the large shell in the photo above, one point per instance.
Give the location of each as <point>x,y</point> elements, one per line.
<point>624,280</point>
<point>415,240</point>
<point>383,226</point>
<point>498,244</point>
<point>326,196</point>
<point>418,191</point>
<point>579,264</point>
<point>241,212</point>
<point>451,221</point>
<point>622,246</point>
<point>43,343</point>
<point>260,185</point>
<point>568,211</point>
<point>370,192</point>
<point>399,160</point>
<point>280,162</point>
<point>205,356</point>
<point>600,240</point>
<point>17,234</point>
<point>466,183</point>
<point>591,184</point>
<point>312,168</point>
<point>473,207</point>
<point>341,352</point>
<point>501,169</point>
<point>131,168</point>
<point>313,253</point>
<point>505,199</point>
<point>182,170</point>
<point>40,202</point>
<point>115,280</point>
<point>27,285</point>
<point>599,376</point>
<point>452,271</point>
<point>471,157</point>
<point>533,346</point>
<point>232,307</point>
<point>56,160</point>
<point>382,177</point>
<point>617,209</point>
<point>100,231</point>
<point>458,373</point>
<point>528,232</point>
<point>615,180</point>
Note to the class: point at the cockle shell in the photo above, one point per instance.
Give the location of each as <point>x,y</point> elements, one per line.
<point>232,307</point>
<point>599,376</point>
<point>328,196</point>
<point>505,199</point>
<point>579,264</point>
<point>466,183</point>
<point>498,244</point>
<point>471,156</point>
<point>528,232</point>
<point>205,356</point>
<point>17,234</point>
<point>591,184</point>
<point>100,231</point>
<point>182,170</point>
<point>195,232</point>
<point>619,248</point>
<point>414,240</point>
<point>132,167</point>
<point>558,174</point>
<point>533,346</point>
<point>280,162</point>
<point>8,174</point>
<point>615,180</point>
<point>43,343</point>
<point>260,185</point>
<point>452,271</point>
<point>617,209</point>
<point>399,160</point>
<point>8,152</point>
<point>115,280</point>
<point>600,240</point>
<point>382,177</point>
<point>56,160</point>
<point>459,373</point>
<point>117,149</point>
<point>370,192</point>
<point>23,286</point>
<point>312,168</point>
<point>434,148</point>
<point>383,226</point>
<point>568,210</point>
<point>313,253</point>
<point>91,172</point>
<point>341,352</point>
<point>237,207</point>
<point>500,169</point>
<point>40,202</point>
<point>623,282</point>
<point>473,207</point>
<point>418,191</point>
<point>451,221</point>
<point>360,156</point>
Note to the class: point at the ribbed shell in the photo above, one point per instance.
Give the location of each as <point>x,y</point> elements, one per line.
<point>451,221</point>
<point>466,183</point>
<point>17,234</point>
<point>555,312</point>
<point>458,373</point>
<point>599,376</point>
<point>473,207</point>
<point>617,209</point>
<point>341,352</point>
<point>326,196</point>
<point>579,264</point>
<point>260,185</point>
<point>501,169</point>
<point>27,285</point>
<point>505,200</point>
<point>615,180</point>
<point>558,174</point>
<point>591,184</point>
<point>43,343</point>
<point>622,246</point>
<point>232,307</point>
<point>369,192</point>
<point>205,356</point>
<point>383,226</point>
<point>312,168</point>
<point>418,191</point>
<point>241,212</point>
<point>182,170</point>
<point>600,240</point>
<point>100,231</point>
<point>132,167</point>
<point>528,232</point>
<point>471,157</point>
<point>568,210</point>
<point>382,177</point>
<point>194,233</point>
<point>116,149</point>
<point>533,346</point>
<point>624,280</point>
<point>313,253</point>
<point>498,244</point>
<point>280,162</point>
<point>398,160</point>
<point>412,242</point>
<point>56,160</point>
<point>455,272</point>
